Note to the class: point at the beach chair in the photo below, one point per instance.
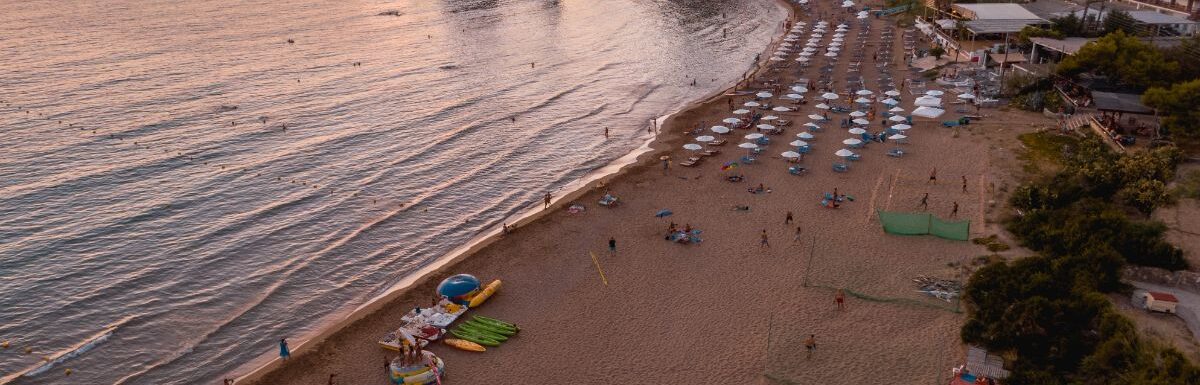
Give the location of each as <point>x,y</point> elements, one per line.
<point>855,157</point>
<point>747,159</point>
<point>804,149</point>
<point>840,167</point>
<point>711,152</point>
<point>688,163</point>
<point>609,201</point>
<point>718,142</point>
<point>797,170</point>
<point>763,141</point>
<point>757,151</point>
<point>895,152</point>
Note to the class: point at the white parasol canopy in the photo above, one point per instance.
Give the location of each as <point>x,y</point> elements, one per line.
<point>720,129</point>
<point>804,135</point>
<point>858,114</point>
<point>731,120</point>
<point>811,125</point>
<point>781,109</point>
<point>763,94</point>
<point>798,143</point>
<point>765,127</point>
<point>831,54</point>
<point>816,117</point>
<point>748,146</point>
<point>862,100</point>
<point>692,146</point>
<point>823,106</point>
<point>705,138</point>
<point>901,127</point>
<point>857,131</point>
<point>860,121</point>
<point>890,101</point>
<point>799,89</point>
<point>966,96</point>
<point>794,96</point>
<point>754,136</point>
<point>892,93</point>
<point>928,112</point>
<point>790,154</point>
<point>896,109</point>
<point>898,118</point>
<point>852,141</point>
<point>741,112</point>
<point>751,104</point>
<point>864,92</point>
<point>934,93</point>
<point>843,152</point>
<point>897,137</point>
<point>928,101</point>
<point>770,117</point>
<point>830,96</point>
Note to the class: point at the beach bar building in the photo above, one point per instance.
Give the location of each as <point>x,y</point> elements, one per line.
<point>1160,302</point>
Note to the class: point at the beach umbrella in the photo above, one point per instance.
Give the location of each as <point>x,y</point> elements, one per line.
<point>764,127</point>
<point>786,44</point>
<point>810,49</point>
<point>966,96</point>
<point>794,96</point>
<point>776,58</point>
<point>751,104</point>
<point>852,141</point>
<point>770,117</point>
<point>705,138</point>
<point>934,93</point>
<point>799,89</point>
<point>833,48</point>
<point>897,137</point>
<point>823,106</point>
<point>802,59</point>
<point>843,152</point>
<point>763,94</point>
<point>806,53</point>
<point>663,213</point>
<point>741,112</point>
<point>720,129</point>
<point>864,92</point>
<point>790,154</point>
<point>892,93</point>
<point>753,136</point>
<point>844,25</point>
<point>858,114</point>
<point>692,146</point>
<point>861,121</point>
<point>812,125</point>
<point>838,40</point>
<point>791,35</point>
<point>889,101</point>
<point>798,143</point>
<point>928,101</point>
<point>862,16</point>
<point>835,44</point>
<point>781,109</point>
<point>749,146</point>
<point>804,135</point>
<point>862,100</point>
<point>831,54</point>
<point>830,96</point>
<point>896,109</point>
<point>898,118</point>
<point>928,112</point>
<point>901,127</point>
<point>857,131</point>
<point>731,121</point>
<point>816,117</point>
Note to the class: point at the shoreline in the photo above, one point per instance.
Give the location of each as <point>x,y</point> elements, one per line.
<point>642,156</point>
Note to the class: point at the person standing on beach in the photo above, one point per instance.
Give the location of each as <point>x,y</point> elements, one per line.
<point>925,202</point>
<point>331,378</point>
<point>666,165</point>
<point>764,242</point>
<point>788,220</point>
<point>964,184</point>
<point>612,246</point>
<point>954,211</point>
<point>547,200</point>
<point>283,349</point>
<point>933,176</point>
<point>840,298</point>
<point>606,132</point>
<point>810,344</point>
<point>798,229</point>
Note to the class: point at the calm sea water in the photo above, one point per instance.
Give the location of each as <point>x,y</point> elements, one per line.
<point>135,199</point>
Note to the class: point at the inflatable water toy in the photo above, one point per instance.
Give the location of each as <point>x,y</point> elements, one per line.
<point>496,322</point>
<point>428,370</point>
<point>484,294</point>
<point>483,332</point>
<point>464,345</point>
<point>491,328</point>
<point>474,337</point>
<point>459,288</point>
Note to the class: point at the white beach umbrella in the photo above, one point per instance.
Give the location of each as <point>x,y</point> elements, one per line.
<point>720,129</point>
<point>966,96</point>
<point>860,121</point>
<point>934,93</point>
<point>692,146</point>
<point>861,16</point>
<point>830,96</point>
<point>765,127</point>
<point>776,58</point>
<point>892,93</point>
<point>786,44</point>
<point>823,106</point>
<point>810,125</point>
<point>928,112</point>
<point>799,89</point>
<point>844,153</point>
<point>901,127</point>
<point>731,121</point>
<point>852,141</point>
<point>816,117</point>
<point>862,100</point>
<point>896,109</point>
<point>864,92</point>
<point>741,112</point>
<point>770,117</point>
<point>835,44</point>
<point>831,54</point>
<point>927,101</point>
<point>790,154</point>
<point>798,143</point>
<point>809,49</point>
<point>781,109</point>
<point>806,53</point>
<point>754,136</point>
<point>898,118</point>
<point>794,96</point>
<point>844,25</point>
<point>833,48</point>
<point>748,146</point>
<point>858,114</point>
<point>838,40</point>
<point>751,104</point>
<point>705,138</point>
<point>857,131</point>
<point>763,94</point>
<point>897,137</point>
<point>802,59</point>
<point>890,101</point>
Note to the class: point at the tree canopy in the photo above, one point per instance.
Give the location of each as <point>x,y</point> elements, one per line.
<point>1123,58</point>
<point>1177,107</point>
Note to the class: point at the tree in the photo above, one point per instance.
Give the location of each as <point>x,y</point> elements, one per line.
<point>937,52</point>
<point>1035,31</point>
<point>1177,107</point>
<point>1068,25</point>
<point>1118,20</point>
<point>1187,53</point>
<point>1122,58</point>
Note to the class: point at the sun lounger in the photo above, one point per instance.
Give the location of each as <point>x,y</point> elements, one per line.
<point>689,163</point>
<point>718,142</point>
<point>797,170</point>
<point>854,157</point>
<point>840,167</point>
<point>608,201</point>
<point>895,152</point>
<point>748,159</point>
<point>710,152</point>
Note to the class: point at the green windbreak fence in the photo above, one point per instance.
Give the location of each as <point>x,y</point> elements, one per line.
<point>924,223</point>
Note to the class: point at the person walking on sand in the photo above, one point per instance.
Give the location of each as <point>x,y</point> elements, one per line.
<point>810,344</point>
<point>606,132</point>
<point>925,202</point>
<point>547,200</point>
<point>331,375</point>
<point>283,349</point>
<point>933,176</point>
<point>954,211</point>
<point>788,219</point>
<point>612,246</point>
<point>964,184</point>
<point>797,239</point>
<point>840,298</point>
<point>764,242</point>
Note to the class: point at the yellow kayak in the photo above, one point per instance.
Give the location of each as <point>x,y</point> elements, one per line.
<point>464,345</point>
<point>484,294</point>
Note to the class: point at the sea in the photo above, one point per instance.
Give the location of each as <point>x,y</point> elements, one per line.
<point>183,183</point>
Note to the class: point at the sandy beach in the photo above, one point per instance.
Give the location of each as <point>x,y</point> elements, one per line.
<point>728,309</point>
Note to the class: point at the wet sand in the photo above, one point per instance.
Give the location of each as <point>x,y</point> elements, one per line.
<point>727,310</point>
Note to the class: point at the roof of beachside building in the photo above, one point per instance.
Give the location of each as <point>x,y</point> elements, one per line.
<point>1000,25</point>
<point>1159,296</point>
<point>1069,45</point>
<point>998,11</point>
<point>1152,17</point>
<point>1130,103</point>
